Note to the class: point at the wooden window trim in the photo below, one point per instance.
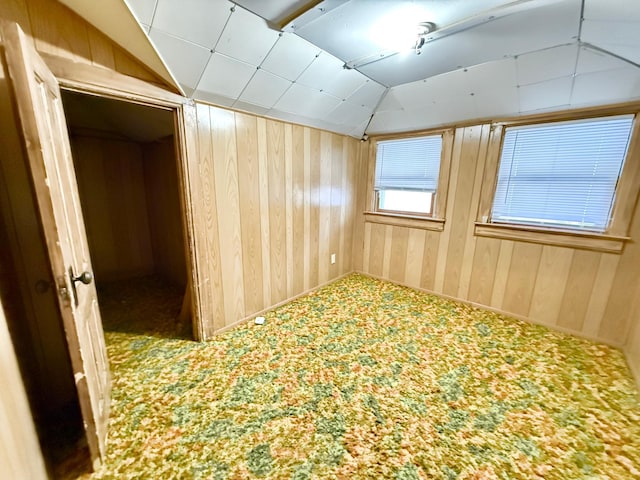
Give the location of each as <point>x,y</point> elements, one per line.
<point>612,240</point>
<point>433,221</point>
<point>405,220</point>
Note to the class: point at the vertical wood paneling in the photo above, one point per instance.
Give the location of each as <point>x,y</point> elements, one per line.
<point>111,183</point>
<point>578,289</point>
<point>225,167</point>
<point>549,291</point>
<point>430,256</point>
<point>573,289</point>
<point>485,262</point>
<point>277,210</point>
<point>413,260</point>
<point>207,226</point>
<point>616,322</point>
<point>337,174</point>
<point>299,210</point>
<point>282,194</point>
<point>57,30</point>
<point>265,228</point>
<point>316,207</point>
<point>443,246</point>
<point>307,207</point>
<point>163,207</point>
<point>326,152</point>
<point>288,188</point>
<point>601,291</point>
<point>386,257</point>
<point>461,209</point>
<point>398,257</point>
<point>249,185</point>
<point>376,249</point>
<point>522,277</point>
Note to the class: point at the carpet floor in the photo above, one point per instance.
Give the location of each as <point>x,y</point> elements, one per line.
<point>364,379</point>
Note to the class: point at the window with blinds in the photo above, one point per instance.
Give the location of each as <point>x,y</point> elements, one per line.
<point>561,175</point>
<point>407,172</point>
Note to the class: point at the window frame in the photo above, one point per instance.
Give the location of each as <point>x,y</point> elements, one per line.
<point>433,221</point>
<point>611,240</point>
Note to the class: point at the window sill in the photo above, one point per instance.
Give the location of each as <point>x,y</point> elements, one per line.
<point>411,221</point>
<point>547,236</point>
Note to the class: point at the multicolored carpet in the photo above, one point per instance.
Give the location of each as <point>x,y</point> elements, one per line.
<point>368,380</point>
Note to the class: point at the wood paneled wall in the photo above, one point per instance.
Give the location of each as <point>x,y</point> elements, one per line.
<point>57,30</point>
<point>20,455</point>
<point>164,213</point>
<point>584,292</point>
<point>111,183</point>
<point>273,202</point>
<point>632,348</point>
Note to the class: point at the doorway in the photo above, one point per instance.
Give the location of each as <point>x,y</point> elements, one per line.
<point>125,161</point>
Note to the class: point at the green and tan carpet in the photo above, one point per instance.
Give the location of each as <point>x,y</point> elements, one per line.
<point>368,380</point>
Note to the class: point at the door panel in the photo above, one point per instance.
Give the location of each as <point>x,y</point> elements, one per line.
<point>46,141</point>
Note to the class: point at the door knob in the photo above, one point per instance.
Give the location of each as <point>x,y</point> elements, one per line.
<point>84,277</point>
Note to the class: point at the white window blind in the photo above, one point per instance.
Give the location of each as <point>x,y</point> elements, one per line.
<point>562,174</point>
<point>408,164</point>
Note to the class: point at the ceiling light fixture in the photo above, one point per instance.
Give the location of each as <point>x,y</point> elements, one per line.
<point>401,39</point>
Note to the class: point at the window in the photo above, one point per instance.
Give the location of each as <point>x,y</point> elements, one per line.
<point>561,175</point>
<point>407,173</point>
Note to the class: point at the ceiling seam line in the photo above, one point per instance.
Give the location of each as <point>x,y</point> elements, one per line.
<point>212,50</point>
<point>375,109</point>
<point>608,52</point>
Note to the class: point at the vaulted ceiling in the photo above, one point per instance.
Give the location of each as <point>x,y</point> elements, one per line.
<point>336,64</point>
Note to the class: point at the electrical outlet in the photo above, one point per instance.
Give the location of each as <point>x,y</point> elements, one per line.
<point>333,258</point>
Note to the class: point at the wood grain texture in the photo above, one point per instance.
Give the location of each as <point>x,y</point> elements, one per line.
<point>111,182</point>
<point>20,455</point>
<point>398,254</point>
<point>578,289</point>
<point>161,183</point>
<point>56,30</point>
<point>225,170</point>
<point>283,194</point>
<point>249,184</point>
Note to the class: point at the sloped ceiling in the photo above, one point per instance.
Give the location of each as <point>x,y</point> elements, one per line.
<point>485,59</point>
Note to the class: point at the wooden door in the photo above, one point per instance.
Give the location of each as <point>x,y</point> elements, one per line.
<point>46,146</point>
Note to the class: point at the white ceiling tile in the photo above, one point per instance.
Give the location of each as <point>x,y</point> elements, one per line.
<point>327,73</point>
<point>497,102</point>
<point>290,56</point>
<point>455,109</point>
<point>404,121</point>
<point>492,75</point>
<point>620,37</point>
<point>146,28</point>
<point>547,64</point>
<point>142,9</point>
<point>368,95</point>
<point>609,86</point>
<point>545,95</point>
<point>264,89</point>
<point>590,61</point>
<point>309,121</point>
<point>613,10</point>
<point>225,76</point>
<point>199,21</point>
<point>550,24</point>
<point>246,37</point>
<point>174,51</point>
<point>347,113</point>
<point>410,96</point>
<point>390,102</point>
<point>307,102</point>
